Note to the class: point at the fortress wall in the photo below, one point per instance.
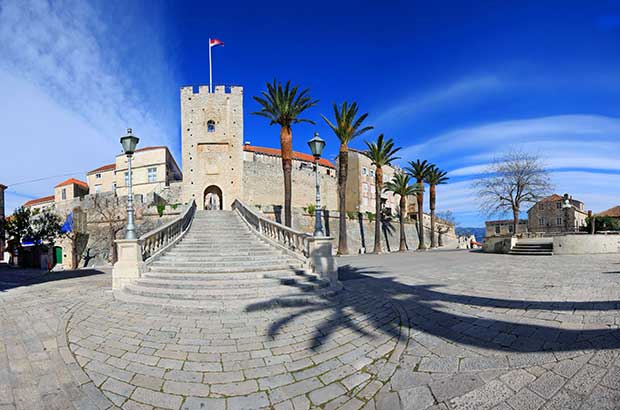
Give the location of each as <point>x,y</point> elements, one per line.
<point>263,184</point>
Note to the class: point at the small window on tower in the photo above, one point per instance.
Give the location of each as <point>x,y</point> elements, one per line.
<point>210,126</point>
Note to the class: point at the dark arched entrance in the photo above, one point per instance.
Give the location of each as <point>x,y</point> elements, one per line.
<point>213,198</point>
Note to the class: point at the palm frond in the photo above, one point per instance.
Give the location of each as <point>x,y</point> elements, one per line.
<point>284,105</point>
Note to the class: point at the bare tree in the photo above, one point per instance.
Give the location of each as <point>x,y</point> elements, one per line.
<point>76,234</point>
<point>513,180</point>
<point>109,211</point>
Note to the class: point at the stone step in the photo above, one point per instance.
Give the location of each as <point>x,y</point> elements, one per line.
<point>226,245</point>
<point>271,260</point>
<point>195,254</point>
<point>233,284</point>
<point>209,277</point>
<point>222,294</point>
<point>223,269</point>
<point>530,253</point>
<point>223,257</point>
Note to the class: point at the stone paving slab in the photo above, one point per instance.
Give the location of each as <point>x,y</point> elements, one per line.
<point>431,330</point>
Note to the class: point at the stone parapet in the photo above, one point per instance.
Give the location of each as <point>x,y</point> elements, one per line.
<point>130,265</point>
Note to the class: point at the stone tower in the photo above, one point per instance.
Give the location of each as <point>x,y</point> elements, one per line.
<point>212,144</point>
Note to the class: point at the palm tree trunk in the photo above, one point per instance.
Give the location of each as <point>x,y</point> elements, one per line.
<point>343,163</point>
<point>420,198</point>
<point>401,216</point>
<point>378,188</point>
<point>432,199</point>
<point>286,143</point>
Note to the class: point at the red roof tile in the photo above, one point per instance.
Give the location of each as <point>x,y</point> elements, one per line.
<point>614,212</point>
<point>102,168</point>
<point>296,155</point>
<point>73,181</point>
<point>40,200</point>
<point>550,198</point>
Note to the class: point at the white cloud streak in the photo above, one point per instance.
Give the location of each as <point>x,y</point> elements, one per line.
<point>68,93</point>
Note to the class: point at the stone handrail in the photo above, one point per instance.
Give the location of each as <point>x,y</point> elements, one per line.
<point>154,242</point>
<point>292,240</point>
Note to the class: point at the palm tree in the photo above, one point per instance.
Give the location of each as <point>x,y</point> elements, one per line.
<point>434,177</point>
<point>380,153</point>
<point>417,170</point>
<point>283,106</point>
<point>346,128</point>
<point>400,185</point>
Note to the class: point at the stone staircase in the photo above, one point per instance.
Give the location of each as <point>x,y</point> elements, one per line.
<point>220,264</point>
<point>533,247</point>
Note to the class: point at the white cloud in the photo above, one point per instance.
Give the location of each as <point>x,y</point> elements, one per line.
<point>464,89</point>
<point>69,90</point>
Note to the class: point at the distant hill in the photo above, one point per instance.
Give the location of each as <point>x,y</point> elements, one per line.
<point>477,232</point>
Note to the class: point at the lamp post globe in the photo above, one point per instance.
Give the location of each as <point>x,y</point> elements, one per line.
<point>129,143</point>
<point>316,145</point>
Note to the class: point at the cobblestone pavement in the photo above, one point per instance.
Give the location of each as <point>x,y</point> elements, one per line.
<point>432,330</point>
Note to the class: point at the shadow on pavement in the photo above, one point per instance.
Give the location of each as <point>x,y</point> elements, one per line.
<point>15,277</point>
<point>434,312</point>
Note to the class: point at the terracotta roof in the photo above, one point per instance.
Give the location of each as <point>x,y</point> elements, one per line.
<point>72,181</point>
<point>276,152</point>
<point>40,200</point>
<point>552,198</point>
<point>614,211</point>
<point>102,168</point>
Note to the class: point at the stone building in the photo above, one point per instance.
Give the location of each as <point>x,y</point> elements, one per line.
<point>504,227</point>
<point>69,189</point>
<point>361,184</point>
<point>549,216</point>
<point>218,167</point>
<point>154,169</point>
<point>40,203</point>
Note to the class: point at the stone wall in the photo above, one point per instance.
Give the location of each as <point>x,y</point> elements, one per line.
<point>361,232</point>
<point>263,184</point>
<point>585,244</point>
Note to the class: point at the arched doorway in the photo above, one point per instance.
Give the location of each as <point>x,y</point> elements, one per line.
<point>213,198</point>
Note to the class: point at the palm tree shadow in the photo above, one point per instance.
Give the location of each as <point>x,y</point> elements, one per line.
<point>436,313</point>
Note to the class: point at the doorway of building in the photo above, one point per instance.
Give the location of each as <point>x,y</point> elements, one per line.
<point>57,255</point>
<point>213,198</point>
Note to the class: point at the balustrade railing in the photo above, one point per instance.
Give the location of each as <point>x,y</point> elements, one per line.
<point>296,241</point>
<point>153,242</point>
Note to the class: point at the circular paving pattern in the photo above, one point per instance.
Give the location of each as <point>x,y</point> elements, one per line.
<point>332,354</point>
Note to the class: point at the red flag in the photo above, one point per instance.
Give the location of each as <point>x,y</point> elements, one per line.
<point>214,42</point>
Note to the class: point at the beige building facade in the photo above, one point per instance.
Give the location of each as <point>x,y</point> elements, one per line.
<point>549,216</point>
<point>504,227</point>
<point>361,184</point>
<point>219,167</point>
<point>153,169</point>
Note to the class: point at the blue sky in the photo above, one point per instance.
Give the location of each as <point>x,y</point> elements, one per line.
<point>455,82</point>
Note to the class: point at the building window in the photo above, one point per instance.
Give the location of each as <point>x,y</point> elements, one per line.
<point>558,221</point>
<point>497,229</point>
<point>372,188</point>
<point>365,187</point>
<point>372,173</point>
<point>364,171</point>
<point>114,187</point>
<point>558,205</point>
<point>541,206</point>
<point>152,174</point>
<point>97,189</point>
<point>365,201</point>
<point>63,194</point>
<point>541,221</point>
<point>210,126</point>
<point>510,228</point>
<point>126,178</point>
<point>98,176</point>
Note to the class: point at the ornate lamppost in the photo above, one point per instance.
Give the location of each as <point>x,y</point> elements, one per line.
<point>316,146</point>
<point>129,143</point>
<point>566,205</point>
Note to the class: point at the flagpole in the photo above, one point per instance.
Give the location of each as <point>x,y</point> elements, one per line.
<point>210,70</point>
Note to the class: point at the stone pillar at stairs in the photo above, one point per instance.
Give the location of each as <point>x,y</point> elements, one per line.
<point>322,259</point>
<point>130,265</point>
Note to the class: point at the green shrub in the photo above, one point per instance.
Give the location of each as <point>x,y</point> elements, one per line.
<point>160,209</point>
<point>370,216</point>
<point>352,215</point>
<point>310,209</point>
<point>174,206</point>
